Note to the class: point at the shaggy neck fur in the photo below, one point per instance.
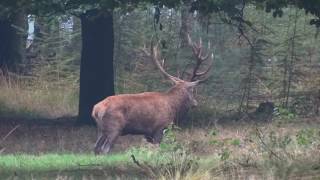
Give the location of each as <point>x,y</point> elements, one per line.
<point>179,98</point>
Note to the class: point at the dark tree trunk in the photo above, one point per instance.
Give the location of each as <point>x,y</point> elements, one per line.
<point>96,71</point>
<point>6,39</point>
<point>12,42</point>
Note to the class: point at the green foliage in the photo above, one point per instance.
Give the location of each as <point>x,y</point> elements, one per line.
<point>224,154</point>
<point>284,114</point>
<point>284,151</point>
<point>235,142</point>
<point>276,141</point>
<point>214,132</point>
<point>225,142</point>
<point>179,165</point>
<point>215,141</point>
<point>306,137</point>
<point>285,148</point>
<point>169,142</point>
<point>169,162</point>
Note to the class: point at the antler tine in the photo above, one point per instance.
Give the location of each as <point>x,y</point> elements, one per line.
<point>200,58</point>
<point>155,56</point>
<point>205,71</point>
<point>200,49</point>
<point>196,48</point>
<point>205,57</point>
<point>144,50</point>
<point>192,45</point>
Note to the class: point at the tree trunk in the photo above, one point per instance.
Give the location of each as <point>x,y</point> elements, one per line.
<point>186,23</point>
<point>96,71</point>
<point>12,46</point>
<point>185,30</point>
<point>5,36</point>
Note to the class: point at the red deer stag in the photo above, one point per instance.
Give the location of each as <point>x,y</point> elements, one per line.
<point>148,113</point>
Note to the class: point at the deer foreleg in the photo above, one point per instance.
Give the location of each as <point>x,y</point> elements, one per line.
<point>157,136</point>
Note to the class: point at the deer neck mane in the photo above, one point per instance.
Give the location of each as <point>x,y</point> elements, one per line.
<point>179,99</point>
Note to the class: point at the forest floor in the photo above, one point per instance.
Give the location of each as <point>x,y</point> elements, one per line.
<point>233,149</point>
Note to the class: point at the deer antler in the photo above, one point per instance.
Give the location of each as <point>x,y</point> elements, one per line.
<point>197,50</point>
<point>155,55</point>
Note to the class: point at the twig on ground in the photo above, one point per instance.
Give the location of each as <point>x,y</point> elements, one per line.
<point>135,160</point>
<point>259,134</point>
<point>145,167</point>
<point>6,136</point>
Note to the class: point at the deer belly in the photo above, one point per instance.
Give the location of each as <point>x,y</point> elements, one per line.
<point>136,129</point>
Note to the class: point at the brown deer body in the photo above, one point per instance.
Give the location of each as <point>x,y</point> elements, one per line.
<point>147,113</point>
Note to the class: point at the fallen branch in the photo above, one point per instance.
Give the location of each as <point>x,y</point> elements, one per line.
<point>6,136</point>
<point>259,135</point>
<point>147,168</point>
<point>135,160</point>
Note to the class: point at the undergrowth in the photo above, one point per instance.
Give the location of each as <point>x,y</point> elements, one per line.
<point>34,98</point>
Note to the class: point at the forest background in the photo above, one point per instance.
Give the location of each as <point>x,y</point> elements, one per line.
<point>264,82</point>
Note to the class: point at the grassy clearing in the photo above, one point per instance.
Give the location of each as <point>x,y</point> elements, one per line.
<point>34,98</point>
<point>268,151</point>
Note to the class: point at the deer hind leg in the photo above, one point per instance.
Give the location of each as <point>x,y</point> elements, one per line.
<point>100,142</point>
<point>104,143</point>
<point>98,137</point>
<point>108,133</point>
<point>109,142</point>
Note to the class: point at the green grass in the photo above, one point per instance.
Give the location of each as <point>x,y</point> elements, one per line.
<point>69,166</point>
<point>57,162</point>
<point>62,162</point>
<point>152,163</point>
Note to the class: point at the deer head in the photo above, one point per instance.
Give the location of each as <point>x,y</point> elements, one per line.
<point>196,75</point>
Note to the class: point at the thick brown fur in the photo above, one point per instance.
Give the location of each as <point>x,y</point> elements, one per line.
<point>147,113</point>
